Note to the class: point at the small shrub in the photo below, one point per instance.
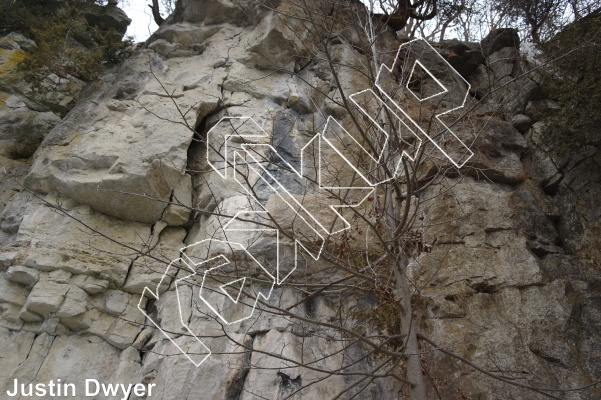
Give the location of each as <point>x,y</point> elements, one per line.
<point>67,45</point>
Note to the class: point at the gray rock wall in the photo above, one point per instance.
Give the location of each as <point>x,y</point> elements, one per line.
<point>512,283</point>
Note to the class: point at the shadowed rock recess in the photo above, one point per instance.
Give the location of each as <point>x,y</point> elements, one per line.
<point>512,284</point>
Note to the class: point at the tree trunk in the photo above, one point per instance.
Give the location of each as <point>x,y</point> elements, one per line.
<point>408,327</point>
<point>409,331</point>
<point>156,15</point>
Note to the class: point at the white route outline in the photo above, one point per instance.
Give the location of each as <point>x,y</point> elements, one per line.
<point>147,293</point>
<point>206,272</point>
<point>222,287</point>
<point>247,155</point>
<point>457,75</point>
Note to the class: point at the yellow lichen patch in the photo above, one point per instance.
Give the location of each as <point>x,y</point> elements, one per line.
<point>9,59</point>
<point>3,97</point>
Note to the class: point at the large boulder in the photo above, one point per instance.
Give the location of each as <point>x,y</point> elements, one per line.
<point>109,17</point>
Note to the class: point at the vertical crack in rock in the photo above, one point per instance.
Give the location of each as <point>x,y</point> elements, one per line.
<point>129,269</point>
<point>30,349</point>
<point>145,349</point>
<point>44,358</point>
<point>141,353</point>
<point>196,164</point>
<point>310,307</point>
<point>236,386</point>
<point>40,348</point>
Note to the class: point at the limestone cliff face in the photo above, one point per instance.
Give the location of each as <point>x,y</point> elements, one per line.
<point>120,184</point>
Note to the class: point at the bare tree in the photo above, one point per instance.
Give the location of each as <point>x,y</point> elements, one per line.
<point>396,139</point>
<point>375,152</point>
<point>404,149</point>
<point>156,12</point>
<point>396,14</point>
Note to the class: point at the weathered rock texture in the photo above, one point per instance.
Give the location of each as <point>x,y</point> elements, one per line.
<point>512,283</point>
